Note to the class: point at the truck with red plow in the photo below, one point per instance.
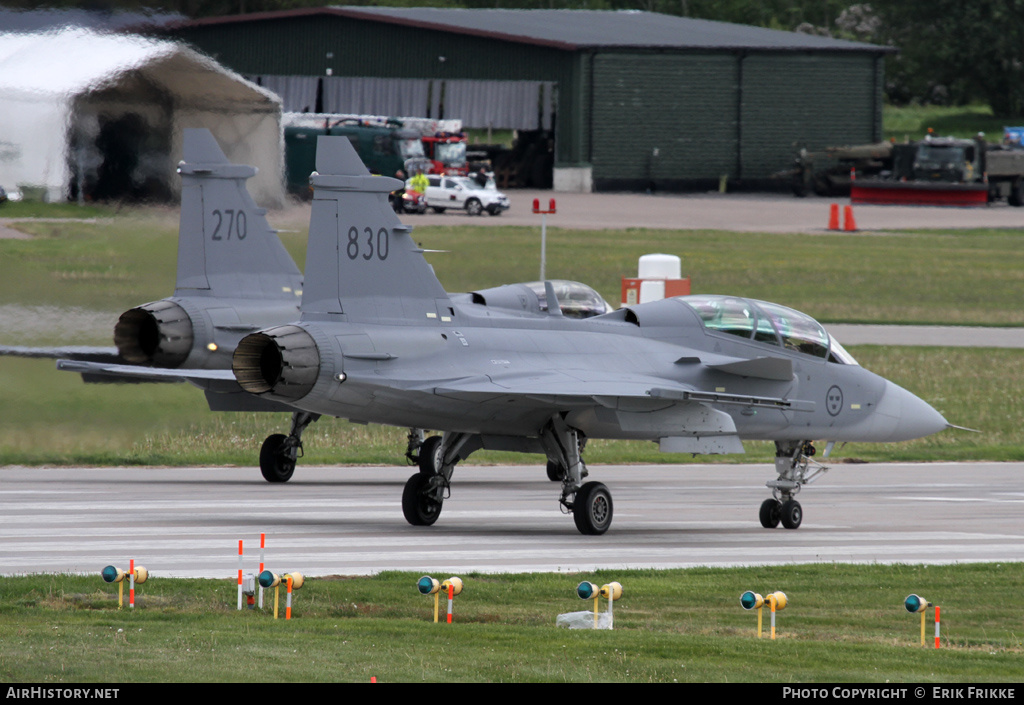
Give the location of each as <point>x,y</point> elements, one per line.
<point>935,171</point>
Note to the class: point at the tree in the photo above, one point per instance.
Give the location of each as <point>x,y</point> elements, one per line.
<point>955,52</point>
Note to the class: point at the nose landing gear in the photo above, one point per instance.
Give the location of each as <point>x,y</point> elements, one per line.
<point>796,468</point>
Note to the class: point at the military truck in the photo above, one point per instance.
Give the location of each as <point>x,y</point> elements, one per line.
<point>932,171</point>
<point>946,171</point>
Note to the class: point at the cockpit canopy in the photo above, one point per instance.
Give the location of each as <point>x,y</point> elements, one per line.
<point>767,323</point>
<point>576,300</point>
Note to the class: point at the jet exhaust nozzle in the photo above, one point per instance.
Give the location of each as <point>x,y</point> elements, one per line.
<point>159,334</point>
<point>279,363</point>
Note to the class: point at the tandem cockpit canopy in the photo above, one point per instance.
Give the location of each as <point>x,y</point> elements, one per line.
<point>767,323</point>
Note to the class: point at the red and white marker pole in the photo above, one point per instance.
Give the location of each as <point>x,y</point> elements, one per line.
<point>451,597</point>
<point>131,588</point>
<point>543,233</point>
<point>936,626</point>
<point>239,574</point>
<point>263,544</point>
<point>288,601</point>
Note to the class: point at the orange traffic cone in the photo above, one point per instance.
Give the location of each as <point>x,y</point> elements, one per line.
<point>849,224</point>
<point>833,217</point>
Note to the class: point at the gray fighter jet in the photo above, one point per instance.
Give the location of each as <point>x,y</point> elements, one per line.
<point>380,341</point>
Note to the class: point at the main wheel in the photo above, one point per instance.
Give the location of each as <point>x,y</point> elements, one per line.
<point>791,514</point>
<point>474,207</point>
<point>277,463</point>
<point>430,460</point>
<point>418,508</point>
<point>592,509</point>
<point>770,513</point>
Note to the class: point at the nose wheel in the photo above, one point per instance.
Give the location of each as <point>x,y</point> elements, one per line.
<point>789,513</point>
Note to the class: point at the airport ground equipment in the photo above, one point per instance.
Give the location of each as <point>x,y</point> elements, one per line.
<point>776,601</point>
<point>915,604</point>
<point>940,171</point>
<point>659,276</point>
<point>934,171</point>
<point>551,210</point>
<point>292,581</point>
<point>592,619</point>
<point>113,574</point>
<point>431,586</point>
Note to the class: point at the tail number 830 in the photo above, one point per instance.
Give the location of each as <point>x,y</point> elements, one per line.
<point>368,244</point>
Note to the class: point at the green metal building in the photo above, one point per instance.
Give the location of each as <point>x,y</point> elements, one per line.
<point>635,100</point>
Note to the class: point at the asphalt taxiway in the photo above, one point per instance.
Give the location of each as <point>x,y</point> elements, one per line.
<point>186,522</point>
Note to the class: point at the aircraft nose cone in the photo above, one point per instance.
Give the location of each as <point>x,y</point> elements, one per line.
<point>910,416</point>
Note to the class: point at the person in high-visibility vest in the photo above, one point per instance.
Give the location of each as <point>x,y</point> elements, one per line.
<point>419,183</point>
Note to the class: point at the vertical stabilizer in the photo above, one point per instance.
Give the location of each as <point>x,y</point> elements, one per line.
<point>226,248</point>
<point>362,262</point>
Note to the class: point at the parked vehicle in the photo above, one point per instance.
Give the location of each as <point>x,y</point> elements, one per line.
<point>406,201</point>
<point>933,171</point>
<point>461,192</point>
<point>946,171</point>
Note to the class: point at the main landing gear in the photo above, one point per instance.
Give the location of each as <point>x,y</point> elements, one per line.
<point>589,503</point>
<point>424,494</point>
<point>280,452</point>
<point>796,468</point>
<point>436,456</point>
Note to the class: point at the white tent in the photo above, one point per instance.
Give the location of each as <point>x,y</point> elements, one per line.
<point>103,114</point>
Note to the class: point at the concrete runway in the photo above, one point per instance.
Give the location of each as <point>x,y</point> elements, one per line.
<point>188,521</point>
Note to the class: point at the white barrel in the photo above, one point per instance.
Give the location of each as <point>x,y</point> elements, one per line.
<point>658,266</point>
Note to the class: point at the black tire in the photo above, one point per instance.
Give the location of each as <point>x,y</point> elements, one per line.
<point>419,510</point>
<point>791,514</point>
<point>430,455</point>
<point>276,463</point>
<point>1016,197</point>
<point>474,207</point>
<point>556,473</point>
<point>770,514</point>
<point>592,509</point>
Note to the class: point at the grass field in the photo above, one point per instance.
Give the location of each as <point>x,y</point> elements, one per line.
<point>912,122</point>
<point>843,624</point>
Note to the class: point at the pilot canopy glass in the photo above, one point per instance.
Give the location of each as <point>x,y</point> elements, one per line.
<point>575,300</point>
<point>767,323</point>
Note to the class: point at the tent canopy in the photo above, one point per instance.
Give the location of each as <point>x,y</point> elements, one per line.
<point>103,114</point>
